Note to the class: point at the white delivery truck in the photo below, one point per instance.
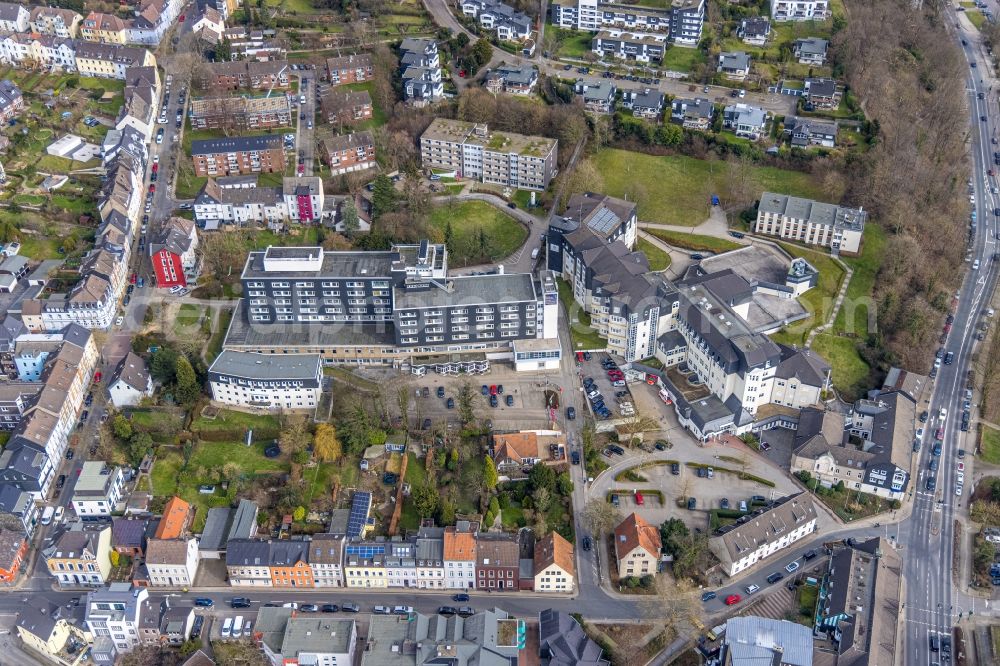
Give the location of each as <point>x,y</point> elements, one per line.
<point>47,515</point>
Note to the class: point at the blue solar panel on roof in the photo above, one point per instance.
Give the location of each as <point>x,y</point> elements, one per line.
<point>361,505</point>
<point>603,221</point>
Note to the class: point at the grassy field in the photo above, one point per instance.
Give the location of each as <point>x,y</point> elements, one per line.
<point>680,59</point>
<point>853,317</point>
<point>480,232</point>
<point>585,337</point>
<point>658,259</point>
<point>976,18</point>
<point>818,300</point>
<point>572,44</point>
<point>989,448</point>
<point>849,369</point>
<point>677,189</point>
<point>695,242</point>
<point>234,421</point>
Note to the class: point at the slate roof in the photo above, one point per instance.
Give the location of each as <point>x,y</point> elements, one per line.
<point>805,365</point>
<point>562,642</point>
<point>132,371</point>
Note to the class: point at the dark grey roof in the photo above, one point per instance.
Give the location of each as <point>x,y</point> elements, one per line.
<point>22,462</point>
<point>706,307</point>
<point>734,60</point>
<point>39,615</point>
<point>132,371</point>
<point>287,553</point>
<point>562,642</point>
<point>247,552</point>
<point>811,45</point>
<point>213,535</point>
<point>128,532</point>
<point>808,366</point>
<point>692,108</point>
<point>821,87</point>
<point>244,520</point>
<point>266,366</point>
<point>236,144</point>
<point>646,98</point>
<point>756,26</point>
<point>14,500</point>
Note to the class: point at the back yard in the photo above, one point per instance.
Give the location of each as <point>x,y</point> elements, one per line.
<point>479,232</point>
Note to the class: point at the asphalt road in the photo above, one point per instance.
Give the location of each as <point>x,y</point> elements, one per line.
<point>932,604</point>
<point>305,140</point>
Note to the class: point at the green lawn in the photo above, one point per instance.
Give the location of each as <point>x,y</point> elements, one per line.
<point>157,422</point>
<point>850,328</point>
<point>480,232</point>
<point>853,316</point>
<point>681,59</point>
<point>989,449</point>
<point>40,247</point>
<point>188,317</point>
<point>659,260</point>
<point>976,18</point>
<point>585,338</point>
<point>228,421</point>
<point>818,300</point>
<point>572,44</point>
<point>850,372</point>
<point>696,242</point>
<point>677,190</point>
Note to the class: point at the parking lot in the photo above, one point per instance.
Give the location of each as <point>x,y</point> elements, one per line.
<point>615,398</point>
<point>707,492</point>
<point>520,399</point>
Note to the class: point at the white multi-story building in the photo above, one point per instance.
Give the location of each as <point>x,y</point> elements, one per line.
<point>459,557</point>
<point>172,562</point>
<point>113,617</point>
<point>430,558</point>
<point>98,489</point>
<point>248,563</point>
<point>326,552</point>
<point>767,531</point>
<point>680,24</point>
<point>555,568</point>
<point>812,222</point>
<point>264,381</point>
<point>800,10</point>
<point>470,150</point>
<point>14,17</point>
<point>63,23</point>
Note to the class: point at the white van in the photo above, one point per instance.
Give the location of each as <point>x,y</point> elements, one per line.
<point>227,627</point>
<point>47,515</point>
<point>60,512</point>
<point>238,626</point>
<point>534,253</point>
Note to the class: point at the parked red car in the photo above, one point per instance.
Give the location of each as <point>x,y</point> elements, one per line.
<point>733,599</point>
<point>493,390</point>
<point>97,377</point>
